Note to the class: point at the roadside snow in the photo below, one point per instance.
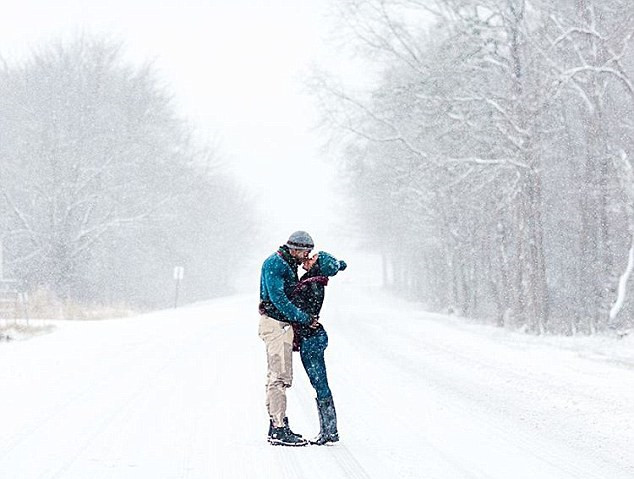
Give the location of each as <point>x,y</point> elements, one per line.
<point>18,330</point>
<point>180,394</point>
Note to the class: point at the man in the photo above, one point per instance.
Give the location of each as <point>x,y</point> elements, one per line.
<point>277,281</point>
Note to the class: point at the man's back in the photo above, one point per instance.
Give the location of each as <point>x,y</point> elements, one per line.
<point>277,280</point>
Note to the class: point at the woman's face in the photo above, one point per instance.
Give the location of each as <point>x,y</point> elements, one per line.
<point>310,261</point>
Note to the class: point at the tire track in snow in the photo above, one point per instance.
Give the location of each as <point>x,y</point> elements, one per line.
<point>58,410</point>
<point>192,428</point>
<point>344,459</point>
<point>452,468</point>
<point>349,465</point>
<point>123,409</point>
<point>128,405</point>
<point>357,352</point>
<point>391,358</point>
<point>289,463</point>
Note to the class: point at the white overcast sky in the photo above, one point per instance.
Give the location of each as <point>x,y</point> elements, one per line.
<point>236,69</point>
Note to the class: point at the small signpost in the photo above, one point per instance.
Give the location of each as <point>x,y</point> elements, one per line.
<point>179,272</point>
<point>1,261</point>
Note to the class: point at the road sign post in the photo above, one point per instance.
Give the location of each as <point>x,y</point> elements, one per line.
<point>179,272</point>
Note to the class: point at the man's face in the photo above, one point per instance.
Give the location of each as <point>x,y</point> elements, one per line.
<point>299,254</point>
<point>310,262</point>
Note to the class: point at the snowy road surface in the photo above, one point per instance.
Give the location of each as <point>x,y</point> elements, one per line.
<point>180,394</point>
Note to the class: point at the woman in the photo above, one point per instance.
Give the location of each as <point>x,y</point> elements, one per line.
<point>312,340</point>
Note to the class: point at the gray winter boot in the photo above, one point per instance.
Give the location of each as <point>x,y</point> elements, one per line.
<point>327,422</point>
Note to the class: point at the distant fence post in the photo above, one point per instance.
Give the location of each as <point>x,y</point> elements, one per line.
<point>9,298</point>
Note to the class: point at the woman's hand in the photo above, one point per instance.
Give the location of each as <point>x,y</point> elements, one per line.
<point>314,322</point>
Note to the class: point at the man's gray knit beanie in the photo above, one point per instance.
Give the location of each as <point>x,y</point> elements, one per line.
<point>300,240</point>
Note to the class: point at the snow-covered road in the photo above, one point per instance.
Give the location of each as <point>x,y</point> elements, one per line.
<point>180,394</point>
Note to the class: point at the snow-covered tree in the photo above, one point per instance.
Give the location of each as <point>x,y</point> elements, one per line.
<point>492,132</point>
<point>103,190</point>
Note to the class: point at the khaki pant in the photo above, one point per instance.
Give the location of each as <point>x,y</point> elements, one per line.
<point>278,339</point>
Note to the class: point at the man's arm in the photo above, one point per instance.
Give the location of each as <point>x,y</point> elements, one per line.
<point>275,288</point>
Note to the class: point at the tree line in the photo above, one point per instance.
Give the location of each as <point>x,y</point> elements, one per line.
<point>491,163</point>
<point>103,189</point>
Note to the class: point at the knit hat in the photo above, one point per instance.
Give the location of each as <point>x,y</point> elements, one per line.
<point>300,240</point>
<point>329,265</point>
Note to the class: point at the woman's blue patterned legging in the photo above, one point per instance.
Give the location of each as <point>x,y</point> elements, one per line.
<point>312,354</point>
